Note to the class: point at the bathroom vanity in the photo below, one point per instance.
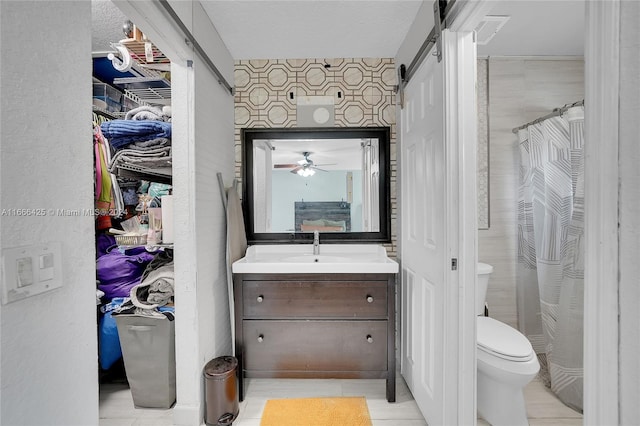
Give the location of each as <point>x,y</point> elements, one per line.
<point>300,315</point>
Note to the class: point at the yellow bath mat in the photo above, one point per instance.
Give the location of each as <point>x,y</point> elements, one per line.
<point>352,411</point>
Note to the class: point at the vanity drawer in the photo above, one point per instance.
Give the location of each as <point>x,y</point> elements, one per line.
<point>315,345</point>
<point>315,299</point>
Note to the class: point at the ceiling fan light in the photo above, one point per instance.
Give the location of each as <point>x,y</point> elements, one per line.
<point>306,172</point>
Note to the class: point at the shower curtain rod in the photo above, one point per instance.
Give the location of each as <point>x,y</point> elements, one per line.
<point>556,112</point>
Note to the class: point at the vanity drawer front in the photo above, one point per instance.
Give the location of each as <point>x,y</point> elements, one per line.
<point>315,299</point>
<point>315,345</point>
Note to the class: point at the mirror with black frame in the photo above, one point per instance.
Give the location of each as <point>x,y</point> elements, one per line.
<point>331,180</point>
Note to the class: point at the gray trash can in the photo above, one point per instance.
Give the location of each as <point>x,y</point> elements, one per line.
<point>148,351</point>
<point>221,391</point>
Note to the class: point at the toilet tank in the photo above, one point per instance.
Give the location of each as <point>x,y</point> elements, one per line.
<point>484,270</point>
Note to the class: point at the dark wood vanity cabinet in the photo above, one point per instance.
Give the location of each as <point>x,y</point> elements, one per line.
<point>315,326</point>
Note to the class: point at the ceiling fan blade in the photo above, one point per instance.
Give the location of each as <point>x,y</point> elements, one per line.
<point>318,168</point>
<point>326,164</point>
<point>284,166</point>
<point>295,170</point>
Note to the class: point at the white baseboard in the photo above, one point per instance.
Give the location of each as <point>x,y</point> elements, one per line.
<point>187,415</point>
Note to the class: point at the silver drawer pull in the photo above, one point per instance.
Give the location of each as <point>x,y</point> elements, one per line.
<point>369,299</point>
<point>260,299</point>
<point>260,338</point>
<point>369,338</point>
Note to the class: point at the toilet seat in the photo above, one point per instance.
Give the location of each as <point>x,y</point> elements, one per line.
<point>502,341</point>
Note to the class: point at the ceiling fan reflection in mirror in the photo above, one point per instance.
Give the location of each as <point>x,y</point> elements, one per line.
<point>305,167</point>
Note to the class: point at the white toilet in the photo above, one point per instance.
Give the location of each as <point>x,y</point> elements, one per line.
<point>506,363</point>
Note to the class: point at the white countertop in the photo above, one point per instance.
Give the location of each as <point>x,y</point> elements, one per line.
<point>299,258</point>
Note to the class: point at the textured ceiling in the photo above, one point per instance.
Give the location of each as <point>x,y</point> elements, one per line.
<point>282,29</point>
<point>538,28</point>
<point>330,154</point>
<point>312,28</point>
<point>107,22</point>
<point>364,28</point>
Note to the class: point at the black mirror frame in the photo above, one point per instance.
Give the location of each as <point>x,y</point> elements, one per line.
<point>383,134</point>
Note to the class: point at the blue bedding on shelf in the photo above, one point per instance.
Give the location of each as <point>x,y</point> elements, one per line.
<point>109,342</point>
<point>124,132</point>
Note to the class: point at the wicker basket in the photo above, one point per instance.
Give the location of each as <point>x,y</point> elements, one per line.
<point>131,240</point>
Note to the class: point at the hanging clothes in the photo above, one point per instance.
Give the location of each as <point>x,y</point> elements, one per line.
<point>109,200</point>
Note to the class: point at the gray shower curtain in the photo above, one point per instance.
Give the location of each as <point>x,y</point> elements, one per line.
<point>550,270</point>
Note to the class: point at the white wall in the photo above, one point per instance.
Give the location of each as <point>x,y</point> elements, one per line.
<point>202,312</point>
<point>520,90</point>
<point>215,153</point>
<point>289,188</point>
<point>48,346</point>
<point>418,32</point>
<point>629,376</point>
<point>49,370</point>
<point>203,132</point>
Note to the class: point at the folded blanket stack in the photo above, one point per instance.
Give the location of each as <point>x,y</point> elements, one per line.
<point>140,143</point>
<point>155,290</point>
<point>121,133</point>
<point>149,113</point>
<point>153,158</point>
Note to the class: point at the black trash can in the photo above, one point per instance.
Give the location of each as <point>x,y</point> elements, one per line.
<point>221,391</point>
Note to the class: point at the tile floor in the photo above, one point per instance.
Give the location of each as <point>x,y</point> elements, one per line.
<point>116,404</point>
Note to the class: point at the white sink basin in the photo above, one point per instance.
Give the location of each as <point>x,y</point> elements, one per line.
<point>299,258</point>
<point>318,258</point>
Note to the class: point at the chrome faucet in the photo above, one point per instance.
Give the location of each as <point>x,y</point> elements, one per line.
<point>316,242</point>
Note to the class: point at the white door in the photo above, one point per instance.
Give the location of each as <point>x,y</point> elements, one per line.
<point>438,334</point>
<point>423,249</point>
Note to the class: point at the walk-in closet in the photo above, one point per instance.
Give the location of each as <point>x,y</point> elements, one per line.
<point>133,216</point>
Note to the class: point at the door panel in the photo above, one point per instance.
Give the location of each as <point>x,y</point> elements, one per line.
<point>423,238</point>
<point>407,348</point>
<point>438,166</point>
<point>429,321</point>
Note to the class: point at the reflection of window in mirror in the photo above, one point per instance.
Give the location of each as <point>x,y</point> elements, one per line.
<point>327,180</point>
<point>370,188</point>
<point>262,185</point>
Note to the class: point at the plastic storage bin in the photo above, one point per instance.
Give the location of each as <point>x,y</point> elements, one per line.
<point>148,351</point>
<point>128,104</point>
<point>221,391</point>
<point>107,97</point>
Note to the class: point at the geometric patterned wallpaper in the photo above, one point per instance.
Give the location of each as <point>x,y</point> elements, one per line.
<point>267,94</point>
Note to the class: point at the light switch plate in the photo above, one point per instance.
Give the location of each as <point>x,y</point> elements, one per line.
<point>24,271</point>
<point>31,270</point>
